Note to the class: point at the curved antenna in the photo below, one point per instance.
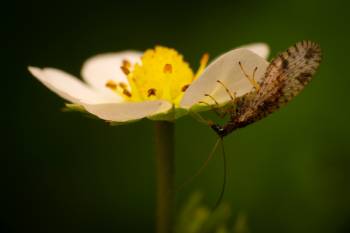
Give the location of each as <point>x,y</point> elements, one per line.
<point>218,202</point>
<point>200,170</point>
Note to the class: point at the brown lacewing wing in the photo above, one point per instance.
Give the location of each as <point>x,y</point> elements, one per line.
<point>285,77</point>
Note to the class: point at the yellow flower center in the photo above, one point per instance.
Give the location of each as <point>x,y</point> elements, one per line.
<point>162,74</point>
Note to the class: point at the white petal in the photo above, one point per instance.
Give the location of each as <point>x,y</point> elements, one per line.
<point>66,86</point>
<point>127,111</point>
<point>226,69</point>
<point>98,70</point>
<point>262,49</point>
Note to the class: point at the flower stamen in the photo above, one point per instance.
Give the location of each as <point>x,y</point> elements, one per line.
<point>123,85</point>
<point>120,88</point>
<point>168,69</point>
<point>127,93</point>
<point>151,92</point>
<point>204,59</point>
<point>184,88</point>
<point>126,63</point>
<point>124,89</point>
<point>202,65</point>
<point>111,85</point>
<point>162,74</point>
<point>125,69</point>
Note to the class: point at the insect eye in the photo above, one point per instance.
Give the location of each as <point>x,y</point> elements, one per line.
<point>219,130</point>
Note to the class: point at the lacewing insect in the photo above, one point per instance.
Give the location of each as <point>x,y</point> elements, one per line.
<point>284,78</point>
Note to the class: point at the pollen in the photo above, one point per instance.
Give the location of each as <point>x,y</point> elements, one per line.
<point>162,74</point>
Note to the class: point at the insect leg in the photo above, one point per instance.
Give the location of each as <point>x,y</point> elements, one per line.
<point>250,78</point>
<point>211,97</point>
<point>231,94</point>
<point>218,202</point>
<point>215,108</point>
<point>204,165</point>
<point>201,119</point>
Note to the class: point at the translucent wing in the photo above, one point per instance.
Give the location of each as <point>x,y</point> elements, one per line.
<point>285,77</point>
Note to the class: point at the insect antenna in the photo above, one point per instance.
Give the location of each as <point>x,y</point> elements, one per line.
<point>200,170</point>
<point>218,202</point>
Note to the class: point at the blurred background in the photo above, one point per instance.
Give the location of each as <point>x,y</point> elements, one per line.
<point>62,172</point>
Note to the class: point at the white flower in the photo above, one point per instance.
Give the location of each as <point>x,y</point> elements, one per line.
<point>159,84</point>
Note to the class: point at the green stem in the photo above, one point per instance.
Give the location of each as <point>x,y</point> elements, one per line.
<point>164,135</point>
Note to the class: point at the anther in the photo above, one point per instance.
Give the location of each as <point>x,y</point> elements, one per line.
<point>122,85</point>
<point>168,69</point>
<point>127,93</point>
<point>151,92</point>
<point>125,70</point>
<point>126,63</point>
<point>205,58</point>
<point>122,88</point>
<point>112,85</point>
<point>184,88</point>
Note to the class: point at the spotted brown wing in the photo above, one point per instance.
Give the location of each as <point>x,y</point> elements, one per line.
<point>285,78</point>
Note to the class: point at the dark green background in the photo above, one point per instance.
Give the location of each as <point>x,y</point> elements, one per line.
<point>62,172</point>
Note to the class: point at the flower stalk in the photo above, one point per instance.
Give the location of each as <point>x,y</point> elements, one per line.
<point>164,142</point>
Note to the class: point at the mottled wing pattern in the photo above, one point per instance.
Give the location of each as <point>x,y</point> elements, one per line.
<point>285,77</point>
